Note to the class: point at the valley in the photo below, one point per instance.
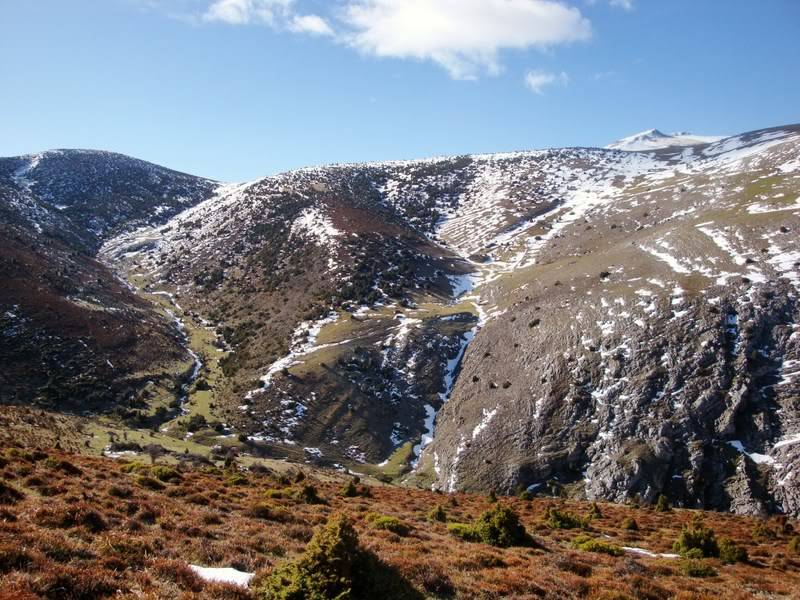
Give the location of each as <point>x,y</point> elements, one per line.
<point>599,323</point>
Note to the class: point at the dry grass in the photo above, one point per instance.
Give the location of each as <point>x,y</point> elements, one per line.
<point>95,531</point>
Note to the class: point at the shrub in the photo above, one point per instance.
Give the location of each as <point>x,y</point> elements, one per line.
<point>794,545</point>
<point>562,519</point>
<point>349,490</point>
<point>696,537</point>
<point>149,482</point>
<point>595,512</point>
<point>64,581</point>
<point>438,514</point>
<point>308,494</point>
<point>498,526</point>
<point>62,465</point>
<point>662,505</point>
<point>9,494</point>
<point>177,572</point>
<point>62,550</point>
<point>134,467</point>
<point>567,563</point>
<point>590,544</point>
<point>335,566</point>
<point>13,558</point>
<point>352,490</point>
<point>492,496</point>
<point>763,533</point>
<point>163,473</point>
<point>131,550</point>
<point>119,492</point>
<point>388,523</point>
<point>696,568</point>
<point>464,531</point>
<point>630,524</point>
<point>730,553</point>
<point>264,510</point>
<point>236,479</point>
<point>72,516</point>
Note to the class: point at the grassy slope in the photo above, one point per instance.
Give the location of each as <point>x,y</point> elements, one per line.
<point>90,531</point>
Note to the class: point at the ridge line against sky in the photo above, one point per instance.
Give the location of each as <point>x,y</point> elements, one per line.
<point>235,89</point>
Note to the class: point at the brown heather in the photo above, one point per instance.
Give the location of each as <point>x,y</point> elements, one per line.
<point>100,533</point>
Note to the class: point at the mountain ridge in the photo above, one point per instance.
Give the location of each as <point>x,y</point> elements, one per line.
<point>349,315</point>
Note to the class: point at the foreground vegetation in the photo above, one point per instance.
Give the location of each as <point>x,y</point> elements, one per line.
<point>73,526</point>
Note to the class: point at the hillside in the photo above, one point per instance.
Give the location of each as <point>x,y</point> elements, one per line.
<point>596,323</point>
<point>85,527</point>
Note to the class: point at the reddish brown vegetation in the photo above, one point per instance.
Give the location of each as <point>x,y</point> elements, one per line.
<point>100,533</point>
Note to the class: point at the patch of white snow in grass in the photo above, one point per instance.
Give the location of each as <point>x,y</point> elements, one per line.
<point>223,575</point>
<point>644,552</point>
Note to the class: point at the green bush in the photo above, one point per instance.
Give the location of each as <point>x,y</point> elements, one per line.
<point>590,544</point>
<point>165,473</point>
<point>595,512</point>
<point>308,494</point>
<point>264,510</point>
<point>696,537</point>
<point>335,566</point>
<point>562,519</point>
<point>697,568</point>
<point>498,526</point>
<point>662,505</point>
<point>352,490</point>
<point>349,490</point>
<point>149,482</point>
<point>134,467</point>
<point>388,523</point>
<point>763,533</point>
<point>794,545</point>
<point>236,479</point>
<point>438,513</point>
<point>630,524</point>
<point>730,553</point>
<point>464,531</point>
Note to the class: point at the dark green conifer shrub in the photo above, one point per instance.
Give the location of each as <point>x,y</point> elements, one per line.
<point>696,538</point>
<point>335,566</point>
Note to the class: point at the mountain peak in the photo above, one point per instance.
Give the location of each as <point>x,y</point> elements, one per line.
<point>653,139</point>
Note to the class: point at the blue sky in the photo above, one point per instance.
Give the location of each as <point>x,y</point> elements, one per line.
<point>235,89</point>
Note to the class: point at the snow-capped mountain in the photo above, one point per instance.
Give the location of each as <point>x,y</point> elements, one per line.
<point>599,322</point>
<point>653,139</point>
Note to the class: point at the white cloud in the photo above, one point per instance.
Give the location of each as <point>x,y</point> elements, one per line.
<point>624,4</point>
<point>246,12</point>
<point>463,36</point>
<point>313,24</point>
<point>536,81</point>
